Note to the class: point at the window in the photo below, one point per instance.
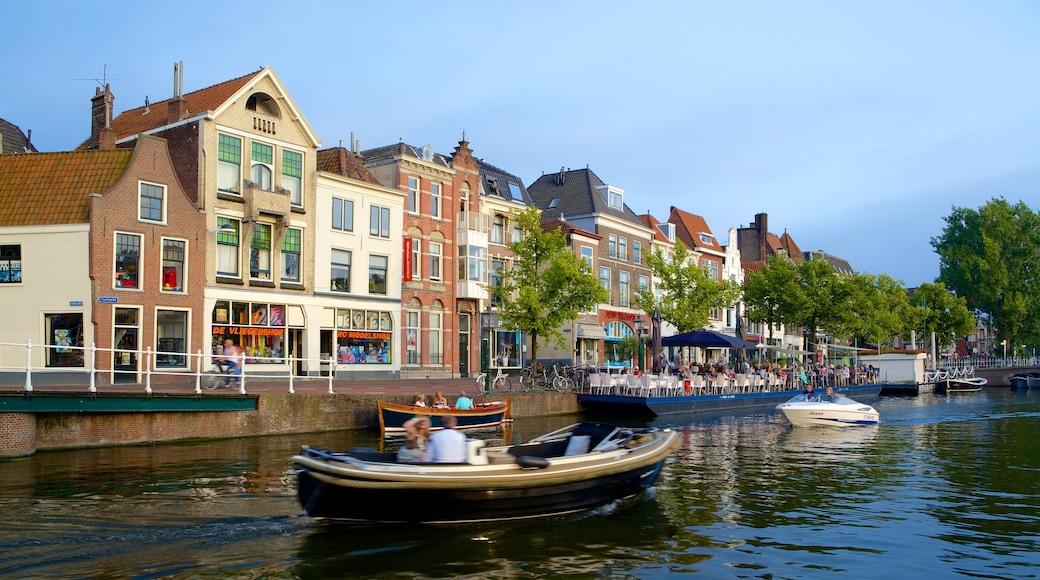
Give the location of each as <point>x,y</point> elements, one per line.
<point>712,268</point>
<point>497,268</point>
<point>413,350</point>
<point>436,350</point>
<point>171,336</point>
<point>604,279</point>
<point>514,190</point>
<point>435,199</point>
<point>644,283</point>
<point>291,246</point>
<point>413,195</point>
<point>416,258</point>
<point>173,265</point>
<point>615,199</point>
<point>260,253</point>
<point>706,239</point>
<point>128,260</point>
<point>152,202</point>
<point>64,332</point>
<point>379,222</point>
<point>477,263</point>
<point>555,202</point>
<point>436,249</point>
<point>342,214</point>
<point>229,163</point>
<point>623,291</point>
<point>292,176</point>
<point>518,234</point>
<point>377,274</point>
<point>227,246</point>
<point>612,246</point>
<point>340,279</point>
<point>498,229</point>
<point>10,264</point>
<point>622,250</point>
<point>263,159</point>
<point>637,253</point>
<point>586,256</point>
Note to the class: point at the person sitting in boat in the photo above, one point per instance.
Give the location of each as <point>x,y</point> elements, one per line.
<point>463,403</point>
<point>809,394</point>
<point>440,401</point>
<point>416,432</point>
<point>420,401</point>
<point>447,445</point>
<point>830,395</point>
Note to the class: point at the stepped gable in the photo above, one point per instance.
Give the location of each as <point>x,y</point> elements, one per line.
<point>55,188</point>
<point>578,196</point>
<point>342,161</point>
<point>12,140</point>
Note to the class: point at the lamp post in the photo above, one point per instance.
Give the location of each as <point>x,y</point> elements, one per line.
<point>485,347</point>
<point>639,343</point>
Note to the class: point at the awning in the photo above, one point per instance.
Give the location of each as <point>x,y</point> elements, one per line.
<point>840,347</point>
<point>591,331</point>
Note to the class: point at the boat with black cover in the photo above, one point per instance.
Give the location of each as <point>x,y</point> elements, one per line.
<point>579,467</point>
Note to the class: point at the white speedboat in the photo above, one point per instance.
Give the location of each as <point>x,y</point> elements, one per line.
<point>822,409</point>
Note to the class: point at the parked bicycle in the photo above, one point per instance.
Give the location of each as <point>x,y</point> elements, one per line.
<point>500,382</point>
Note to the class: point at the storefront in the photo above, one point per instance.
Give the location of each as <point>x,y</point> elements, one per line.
<point>260,328</point>
<point>507,349</point>
<point>358,337</point>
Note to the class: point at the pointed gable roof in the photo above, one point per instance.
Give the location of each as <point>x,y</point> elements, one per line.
<point>207,102</point>
<point>651,222</point>
<point>689,228</point>
<point>56,186</point>
<point>576,194</point>
<point>340,161</point>
<point>12,140</point>
<point>788,244</point>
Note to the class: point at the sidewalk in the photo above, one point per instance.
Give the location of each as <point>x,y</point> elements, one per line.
<point>67,383</point>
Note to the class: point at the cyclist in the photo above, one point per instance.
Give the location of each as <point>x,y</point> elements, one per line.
<point>231,362</point>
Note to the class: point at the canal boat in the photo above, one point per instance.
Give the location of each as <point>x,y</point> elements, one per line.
<point>482,416</point>
<point>579,467</point>
<point>807,409</point>
<point>961,385</point>
<point>656,402</point>
<point>1029,380</point>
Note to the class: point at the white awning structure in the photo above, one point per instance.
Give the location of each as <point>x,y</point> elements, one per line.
<point>591,331</point>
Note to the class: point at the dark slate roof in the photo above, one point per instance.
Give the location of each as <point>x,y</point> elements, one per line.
<point>388,153</point>
<point>577,194</point>
<point>340,161</point>
<point>840,265</point>
<point>14,141</point>
<point>495,183</point>
<point>55,188</point>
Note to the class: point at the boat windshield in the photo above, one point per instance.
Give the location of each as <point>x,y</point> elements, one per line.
<point>823,398</point>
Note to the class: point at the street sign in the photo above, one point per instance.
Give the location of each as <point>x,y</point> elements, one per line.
<point>108,299</point>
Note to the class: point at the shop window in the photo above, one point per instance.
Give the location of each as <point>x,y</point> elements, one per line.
<point>413,351</point>
<point>363,337</point>
<point>259,328</point>
<point>64,339</point>
<point>10,264</point>
<point>173,265</point>
<point>436,353</point>
<point>128,260</point>
<point>171,339</point>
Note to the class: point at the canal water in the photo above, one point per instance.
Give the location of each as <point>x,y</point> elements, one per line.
<point>944,487</point>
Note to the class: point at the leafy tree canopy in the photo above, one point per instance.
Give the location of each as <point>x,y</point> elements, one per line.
<point>688,293</point>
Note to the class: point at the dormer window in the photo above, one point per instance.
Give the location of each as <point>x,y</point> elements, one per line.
<point>706,239</point>
<point>615,199</point>
<point>668,230</point>
<point>555,202</point>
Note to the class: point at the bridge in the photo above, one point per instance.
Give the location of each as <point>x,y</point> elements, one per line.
<point>996,370</point>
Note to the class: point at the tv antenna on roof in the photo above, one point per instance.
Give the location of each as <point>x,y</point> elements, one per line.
<point>104,78</point>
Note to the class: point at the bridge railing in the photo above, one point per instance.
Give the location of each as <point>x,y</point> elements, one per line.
<point>989,362</point>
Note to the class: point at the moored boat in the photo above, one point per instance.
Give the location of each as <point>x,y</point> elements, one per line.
<point>822,409</point>
<point>1030,380</point>
<point>482,416</point>
<point>579,467</point>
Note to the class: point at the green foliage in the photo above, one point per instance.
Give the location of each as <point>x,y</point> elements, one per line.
<point>943,313</point>
<point>773,295</point>
<point>688,293</point>
<point>628,348</point>
<point>990,257</point>
<point>548,285</point>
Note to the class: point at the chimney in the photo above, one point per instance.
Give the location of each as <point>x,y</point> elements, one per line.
<point>177,106</point>
<point>762,225</point>
<point>102,136</point>
<point>342,160</point>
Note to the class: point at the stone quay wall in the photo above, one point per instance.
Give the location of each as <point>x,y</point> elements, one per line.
<point>23,434</point>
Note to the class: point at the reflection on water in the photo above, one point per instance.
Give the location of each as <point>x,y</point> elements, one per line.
<point>944,486</point>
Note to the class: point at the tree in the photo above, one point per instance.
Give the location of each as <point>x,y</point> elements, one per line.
<point>827,301</point>
<point>943,313</point>
<point>772,295</point>
<point>547,286</point>
<point>879,308</point>
<point>688,293</point>
<point>990,257</point>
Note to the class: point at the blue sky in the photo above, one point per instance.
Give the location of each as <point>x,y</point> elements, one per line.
<point>855,126</point>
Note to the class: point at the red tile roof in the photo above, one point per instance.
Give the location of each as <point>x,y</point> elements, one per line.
<point>54,188</point>
<point>349,164</point>
<point>690,226</point>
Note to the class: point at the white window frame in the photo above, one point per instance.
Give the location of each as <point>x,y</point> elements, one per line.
<point>229,254</point>
<point>612,245</point>
<point>294,183</point>
<point>587,254</point>
<point>622,249</point>
<point>182,272</point>
<point>265,168</point>
<point>182,356</point>
<point>259,254</point>
<point>435,200</point>
<point>624,290</point>
<point>413,195</point>
<point>436,261</point>
<point>139,278</point>
<point>373,269</point>
<point>283,267</point>
<point>435,334</point>
<point>141,185</point>
<point>334,265</point>
<point>416,258</point>
<point>226,168</point>
<point>637,252</point>
<point>413,337</point>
